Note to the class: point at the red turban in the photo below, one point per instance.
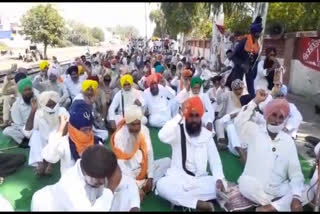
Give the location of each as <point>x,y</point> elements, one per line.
<point>155,77</point>
<point>94,78</point>
<point>193,104</point>
<point>114,61</point>
<point>277,105</point>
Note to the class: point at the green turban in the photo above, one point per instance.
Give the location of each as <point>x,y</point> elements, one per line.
<point>22,84</point>
<point>196,80</point>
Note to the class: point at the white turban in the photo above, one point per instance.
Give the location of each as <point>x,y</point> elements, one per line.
<point>48,95</point>
<point>132,113</point>
<point>54,70</point>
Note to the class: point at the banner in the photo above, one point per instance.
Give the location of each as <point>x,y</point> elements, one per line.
<point>310,52</point>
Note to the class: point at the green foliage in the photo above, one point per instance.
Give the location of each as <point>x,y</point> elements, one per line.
<point>125,32</point>
<point>238,24</point>
<point>157,16</point>
<point>296,16</point>
<point>98,34</point>
<point>80,34</point>
<point>64,43</point>
<point>43,24</point>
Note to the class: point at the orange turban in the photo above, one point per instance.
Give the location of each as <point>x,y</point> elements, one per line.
<point>193,104</point>
<point>156,77</point>
<point>277,105</point>
<point>186,73</point>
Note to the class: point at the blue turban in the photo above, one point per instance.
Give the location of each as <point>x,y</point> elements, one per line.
<point>159,69</point>
<point>256,26</point>
<point>282,92</point>
<point>81,114</point>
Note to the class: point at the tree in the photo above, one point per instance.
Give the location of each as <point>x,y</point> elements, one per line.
<point>43,24</point>
<point>125,32</point>
<point>80,34</point>
<point>98,34</point>
<point>157,16</point>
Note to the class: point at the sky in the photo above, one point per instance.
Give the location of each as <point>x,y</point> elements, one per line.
<point>92,14</point>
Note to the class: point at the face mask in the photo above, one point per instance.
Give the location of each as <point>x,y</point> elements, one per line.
<point>275,129</point>
<point>51,110</point>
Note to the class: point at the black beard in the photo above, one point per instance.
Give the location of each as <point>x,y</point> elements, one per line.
<point>27,100</point>
<point>193,129</point>
<point>154,92</point>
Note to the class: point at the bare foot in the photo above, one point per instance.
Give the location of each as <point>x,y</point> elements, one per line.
<point>266,208</point>
<point>40,169</point>
<point>48,169</point>
<point>205,206</point>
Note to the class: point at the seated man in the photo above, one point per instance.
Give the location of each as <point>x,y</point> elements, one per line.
<point>295,118</point>
<point>187,181</point>
<point>132,145</point>
<point>181,80</point>
<point>89,90</point>
<point>272,176</point>
<point>68,142</point>
<point>42,76</point>
<point>94,183</point>
<point>197,90</point>
<point>158,101</point>
<point>52,84</point>
<point>22,111</point>
<point>123,98</point>
<point>74,80</point>
<point>46,120</point>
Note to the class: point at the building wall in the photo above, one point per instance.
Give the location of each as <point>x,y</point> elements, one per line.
<point>301,78</point>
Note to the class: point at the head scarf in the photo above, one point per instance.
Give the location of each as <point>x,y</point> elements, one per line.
<point>196,80</point>
<point>256,26</point>
<point>53,70</point>
<point>43,65</point>
<point>89,84</point>
<point>19,76</point>
<point>283,91</point>
<point>80,117</point>
<point>193,104</point>
<point>126,78</point>
<point>159,69</point>
<point>153,78</point>
<point>132,113</point>
<point>237,84</point>
<point>276,105</point>
<point>45,96</point>
<point>22,84</point>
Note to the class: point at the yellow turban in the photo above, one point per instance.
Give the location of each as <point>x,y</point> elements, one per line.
<point>89,84</point>
<point>43,65</point>
<point>80,70</point>
<point>126,78</point>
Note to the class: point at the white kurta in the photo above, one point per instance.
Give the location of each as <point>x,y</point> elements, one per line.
<point>74,88</point>
<point>20,112</point>
<point>260,81</point>
<point>272,169</point>
<point>159,106</point>
<point>125,142</point>
<point>40,135</point>
<point>200,151</point>
<point>5,206</point>
<point>115,109</point>
<point>71,193</point>
<point>294,120</point>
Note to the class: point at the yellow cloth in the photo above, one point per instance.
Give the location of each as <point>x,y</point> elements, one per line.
<point>89,84</point>
<point>126,78</point>
<point>80,70</point>
<point>43,65</point>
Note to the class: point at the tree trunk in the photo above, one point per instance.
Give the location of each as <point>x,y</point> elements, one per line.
<point>45,51</point>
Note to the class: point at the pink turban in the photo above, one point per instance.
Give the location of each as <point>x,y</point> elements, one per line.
<point>277,105</point>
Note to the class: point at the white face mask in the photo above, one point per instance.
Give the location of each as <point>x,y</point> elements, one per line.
<point>275,129</point>
<point>51,110</point>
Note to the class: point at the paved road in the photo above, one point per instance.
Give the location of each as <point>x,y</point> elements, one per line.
<point>61,53</point>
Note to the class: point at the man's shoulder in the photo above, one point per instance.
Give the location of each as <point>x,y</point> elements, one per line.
<point>205,134</point>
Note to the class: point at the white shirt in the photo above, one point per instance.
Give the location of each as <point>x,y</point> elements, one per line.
<point>200,150</point>
<point>159,105</point>
<point>128,99</point>
<point>260,81</point>
<point>125,142</point>
<point>74,88</point>
<point>274,163</point>
<point>73,194</point>
<point>294,119</point>
<point>227,99</point>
